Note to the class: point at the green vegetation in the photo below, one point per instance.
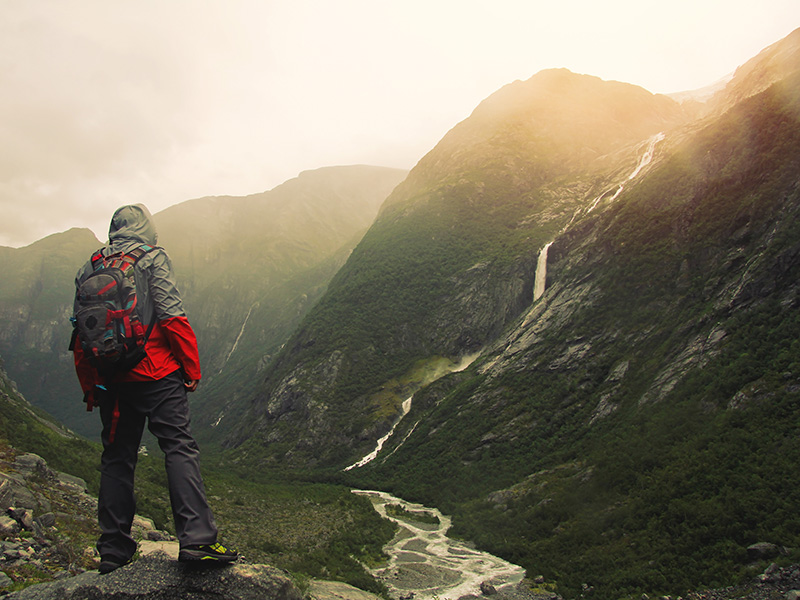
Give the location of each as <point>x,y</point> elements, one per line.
<point>312,530</point>
<point>30,429</point>
<point>694,306</point>
<point>36,295</point>
<point>420,516</point>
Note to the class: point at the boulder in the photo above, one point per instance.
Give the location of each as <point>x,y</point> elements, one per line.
<point>6,494</point>
<point>762,551</point>
<point>14,492</point>
<point>71,480</point>
<point>157,578</point>
<point>32,463</point>
<point>46,520</point>
<point>8,526</point>
<point>23,516</point>
<point>337,590</point>
<point>5,581</point>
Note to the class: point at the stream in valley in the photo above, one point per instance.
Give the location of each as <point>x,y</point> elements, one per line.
<point>424,563</point>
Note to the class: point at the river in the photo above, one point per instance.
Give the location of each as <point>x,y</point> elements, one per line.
<point>425,564</point>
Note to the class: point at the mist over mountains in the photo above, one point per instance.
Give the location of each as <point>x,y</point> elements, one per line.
<point>263,259</point>
<point>632,429</point>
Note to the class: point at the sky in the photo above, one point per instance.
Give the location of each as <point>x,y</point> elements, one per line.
<point>111,102</point>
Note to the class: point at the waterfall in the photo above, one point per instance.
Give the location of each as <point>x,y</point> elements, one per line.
<point>462,364</point>
<point>372,455</point>
<point>541,272</point>
<point>645,160</point>
<point>238,337</point>
<point>647,157</point>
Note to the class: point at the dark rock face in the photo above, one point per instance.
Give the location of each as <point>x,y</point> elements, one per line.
<point>156,578</point>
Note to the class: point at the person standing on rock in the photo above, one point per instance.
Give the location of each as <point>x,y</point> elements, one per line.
<point>154,389</point>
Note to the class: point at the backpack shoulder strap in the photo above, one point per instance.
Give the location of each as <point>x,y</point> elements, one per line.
<point>133,258</point>
<point>139,252</point>
<point>97,260</point>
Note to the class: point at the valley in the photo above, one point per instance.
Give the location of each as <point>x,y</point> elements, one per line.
<point>572,328</point>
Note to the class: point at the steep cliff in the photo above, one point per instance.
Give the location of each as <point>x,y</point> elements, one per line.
<point>450,261</point>
<point>633,430</point>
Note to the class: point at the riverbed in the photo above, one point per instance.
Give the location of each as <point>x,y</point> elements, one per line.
<point>425,564</point>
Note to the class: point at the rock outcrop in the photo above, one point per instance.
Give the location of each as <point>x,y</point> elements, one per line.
<point>157,577</point>
<point>48,523</point>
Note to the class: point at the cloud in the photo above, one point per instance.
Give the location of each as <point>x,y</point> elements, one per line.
<point>85,120</point>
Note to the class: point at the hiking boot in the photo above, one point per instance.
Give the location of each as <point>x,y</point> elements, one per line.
<point>109,564</point>
<point>210,552</point>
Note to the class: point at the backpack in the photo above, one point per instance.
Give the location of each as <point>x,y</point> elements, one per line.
<point>106,321</point>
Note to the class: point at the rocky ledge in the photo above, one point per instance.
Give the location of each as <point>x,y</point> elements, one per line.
<point>158,577</point>
<point>48,523</point>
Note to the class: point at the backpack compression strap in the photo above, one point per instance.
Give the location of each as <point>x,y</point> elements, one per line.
<point>124,262</point>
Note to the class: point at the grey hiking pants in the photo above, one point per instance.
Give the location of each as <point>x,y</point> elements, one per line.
<point>164,404</point>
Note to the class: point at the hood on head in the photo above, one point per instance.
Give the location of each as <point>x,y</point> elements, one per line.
<point>133,223</point>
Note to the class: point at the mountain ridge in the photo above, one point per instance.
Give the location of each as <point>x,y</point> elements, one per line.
<point>629,430</point>
<point>464,225</point>
<point>633,363</point>
<point>221,273</point>
<point>631,416</point>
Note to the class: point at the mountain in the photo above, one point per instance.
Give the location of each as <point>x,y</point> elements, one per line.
<point>451,259</point>
<point>573,326</point>
<point>249,268</point>
<point>29,429</point>
<point>630,430</point>
<point>36,294</point>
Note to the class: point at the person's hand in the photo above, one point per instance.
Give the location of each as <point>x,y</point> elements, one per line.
<point>191,385</point>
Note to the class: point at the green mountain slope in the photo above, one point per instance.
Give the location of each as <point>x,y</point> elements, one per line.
<point>36,294</point>
<point>249,269</point>
<point>29,429</point>
<point>450,260</point>
<point>633,429</point>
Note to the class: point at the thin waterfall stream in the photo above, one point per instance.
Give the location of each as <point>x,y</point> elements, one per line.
<point>541,272</point>
<point>406,406</point>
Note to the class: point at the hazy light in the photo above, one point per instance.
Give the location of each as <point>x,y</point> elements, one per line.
<point>106,103</point>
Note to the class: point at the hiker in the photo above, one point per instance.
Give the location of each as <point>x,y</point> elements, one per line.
<point>145,378</point>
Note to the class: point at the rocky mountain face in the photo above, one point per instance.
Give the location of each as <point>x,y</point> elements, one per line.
<point>450,261</point>
<point>48,521</point>
<point>249,269</point>
<point>631,429</point>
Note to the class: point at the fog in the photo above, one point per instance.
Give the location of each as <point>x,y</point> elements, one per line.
<point>107,102</point>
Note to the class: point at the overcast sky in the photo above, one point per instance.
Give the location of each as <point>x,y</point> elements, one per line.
<point>108,102</point>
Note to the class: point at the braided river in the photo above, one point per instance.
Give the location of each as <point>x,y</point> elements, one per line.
<point>425,564</point>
